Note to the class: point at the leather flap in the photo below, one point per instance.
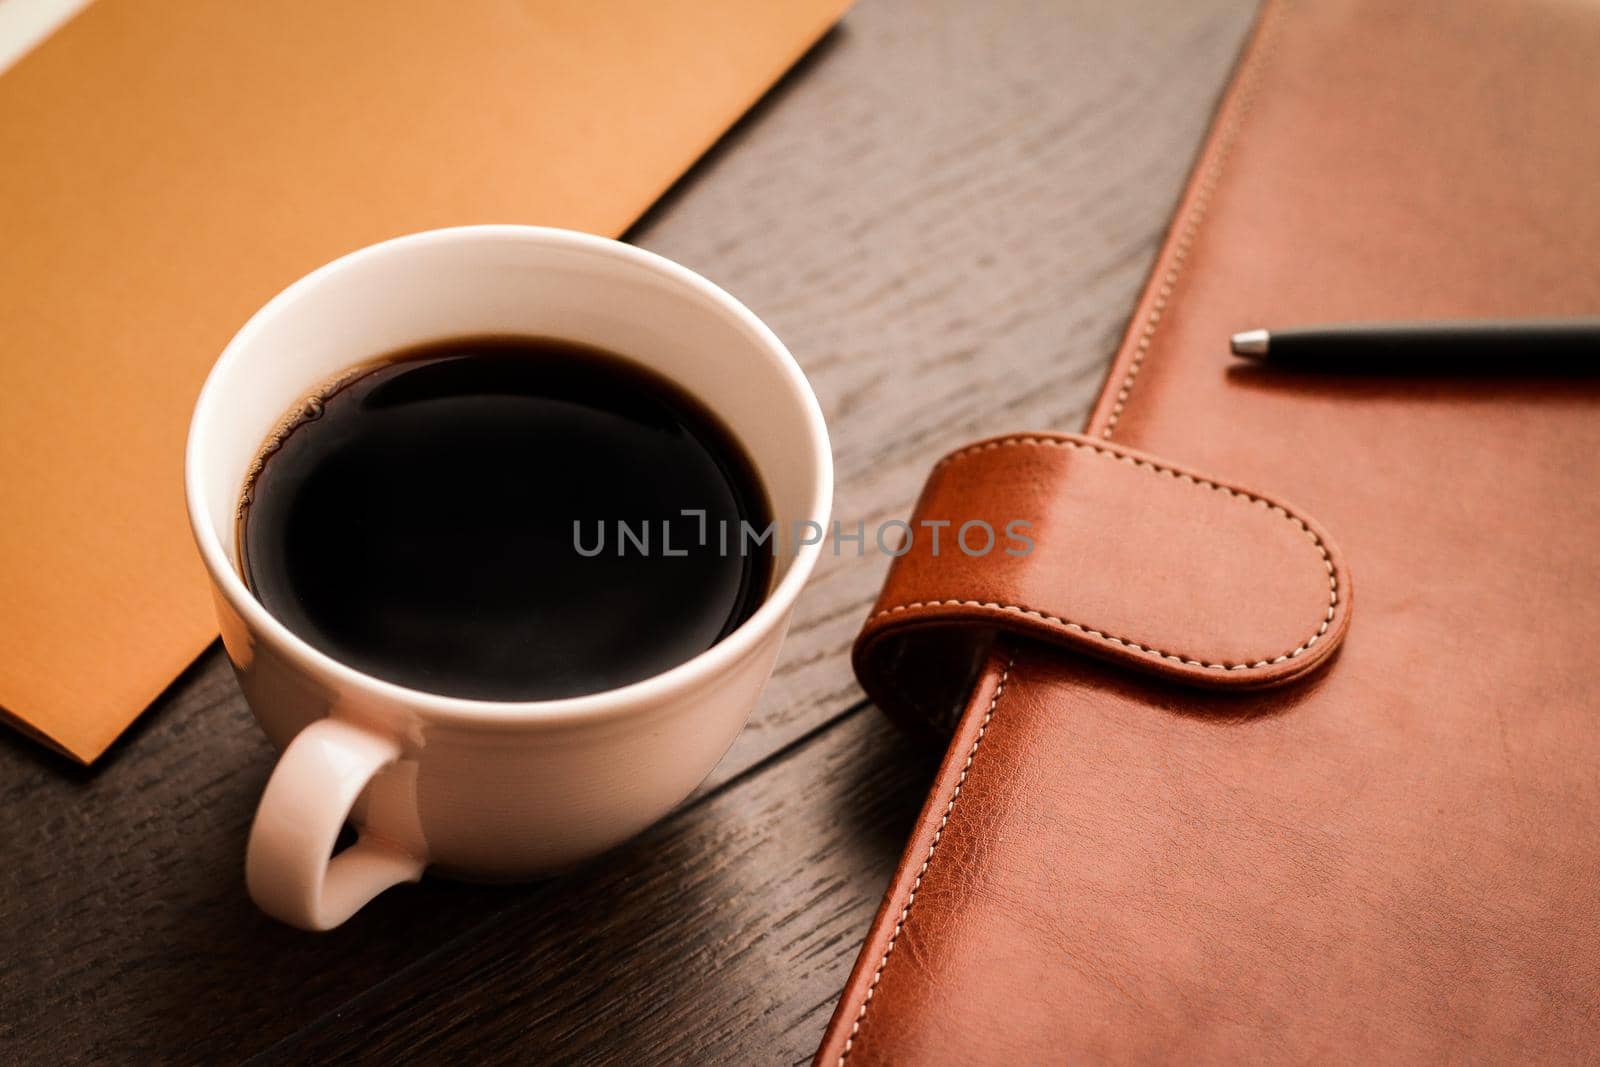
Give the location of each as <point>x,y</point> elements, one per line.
<point>1106,551</point>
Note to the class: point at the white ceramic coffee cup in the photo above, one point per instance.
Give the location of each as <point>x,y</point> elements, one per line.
<point>470,788</point>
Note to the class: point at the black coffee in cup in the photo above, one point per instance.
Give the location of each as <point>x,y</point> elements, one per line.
<point>506,518</point>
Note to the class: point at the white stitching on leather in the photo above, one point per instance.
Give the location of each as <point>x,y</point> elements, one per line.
<point>911,897</point>
<point>1191,223</point>
<point>1037,440</point>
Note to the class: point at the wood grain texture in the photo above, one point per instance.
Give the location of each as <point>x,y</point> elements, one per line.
<point>714,938</point>
<point>946,211</point>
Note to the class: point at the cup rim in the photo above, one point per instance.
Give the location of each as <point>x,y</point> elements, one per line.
<point>590,707</point>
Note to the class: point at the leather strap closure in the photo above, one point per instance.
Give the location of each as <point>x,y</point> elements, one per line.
<point>1103,551</point>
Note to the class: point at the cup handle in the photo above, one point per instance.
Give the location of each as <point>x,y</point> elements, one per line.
<point>289,867</point>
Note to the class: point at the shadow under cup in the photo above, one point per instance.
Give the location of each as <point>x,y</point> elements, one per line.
<point>478,789</point>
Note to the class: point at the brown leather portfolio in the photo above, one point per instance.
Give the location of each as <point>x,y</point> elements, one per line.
<point>1282,744</point>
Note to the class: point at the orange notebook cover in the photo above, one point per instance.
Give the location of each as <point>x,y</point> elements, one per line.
<point>167,168</point>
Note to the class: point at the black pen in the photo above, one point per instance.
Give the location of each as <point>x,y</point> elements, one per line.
<point>1526,346</point>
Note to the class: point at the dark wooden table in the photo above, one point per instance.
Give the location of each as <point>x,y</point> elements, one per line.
<point>946,211</point>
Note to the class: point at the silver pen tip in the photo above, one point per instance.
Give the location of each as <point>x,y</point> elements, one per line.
<point>1250,343</point>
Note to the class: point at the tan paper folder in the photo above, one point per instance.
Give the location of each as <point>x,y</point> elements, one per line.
<point>165,168</point>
